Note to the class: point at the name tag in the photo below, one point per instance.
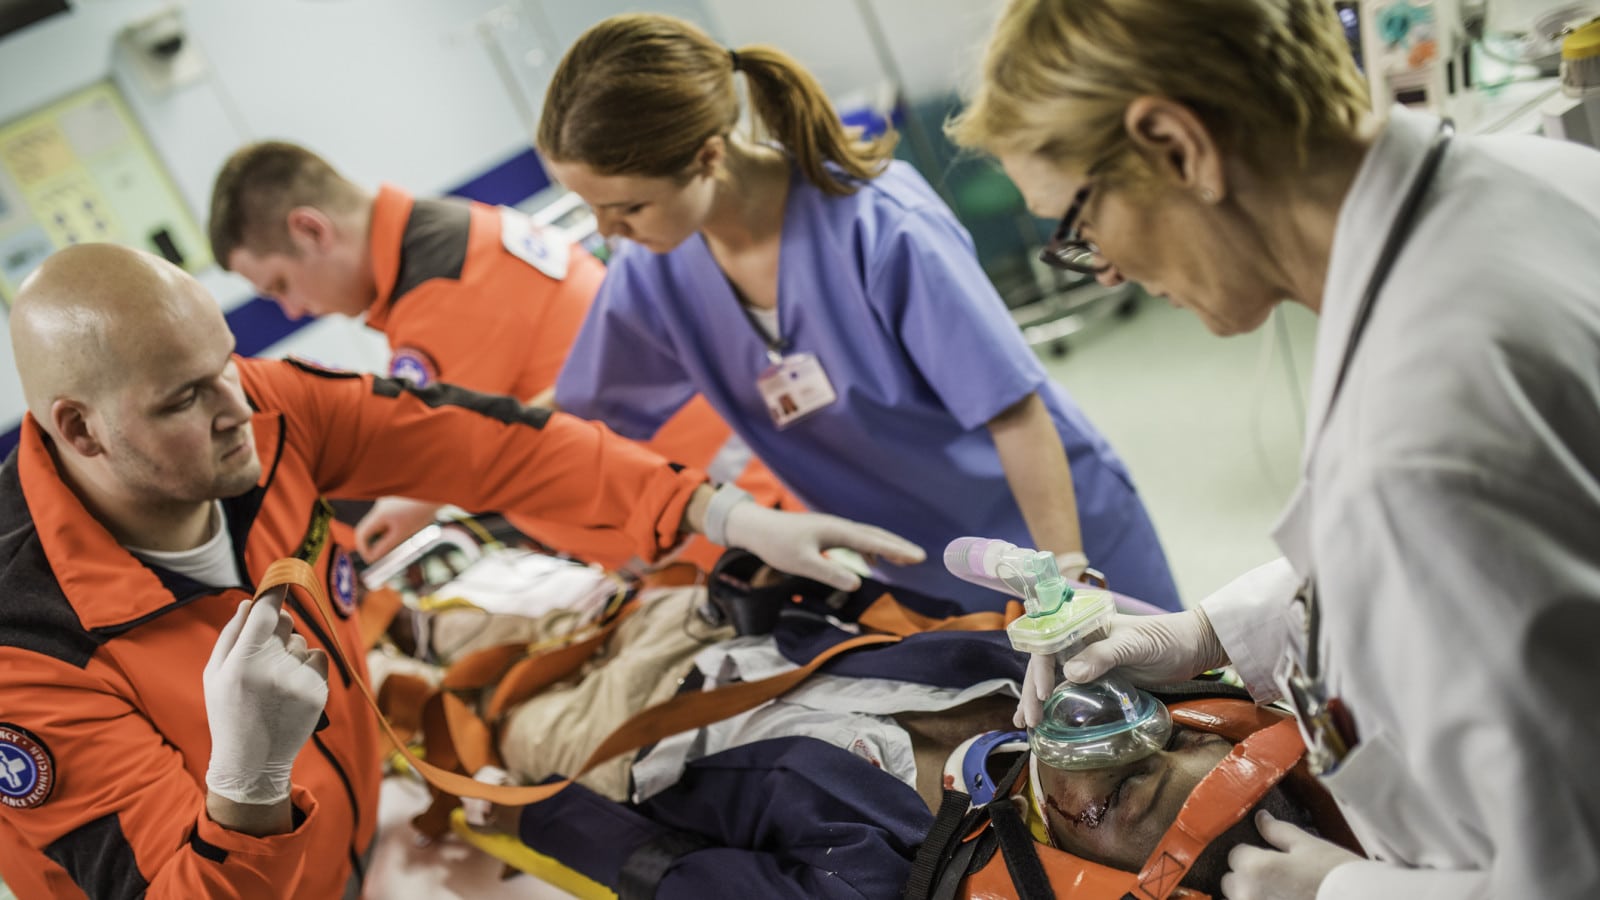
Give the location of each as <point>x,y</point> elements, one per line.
<point>546,249</point>
<point>795,387</point>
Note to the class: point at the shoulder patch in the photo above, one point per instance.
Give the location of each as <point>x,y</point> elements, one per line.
<point>413,365</point>
<point>342,582</point>
<point>27,770</point>
<point>546,249</point>
<point>318,369</point>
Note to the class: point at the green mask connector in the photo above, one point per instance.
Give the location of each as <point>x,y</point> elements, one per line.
<point>1033,576</point>
<point>1058,617</point>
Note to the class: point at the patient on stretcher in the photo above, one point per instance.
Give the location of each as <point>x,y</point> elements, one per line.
<point>779,804</point>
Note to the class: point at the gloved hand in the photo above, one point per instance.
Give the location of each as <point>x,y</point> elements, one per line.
<point>1037,685</point>
<point>390,521</point>
<point>793,542</point>
<point>1295,871</point>
<point>1151,649</point>
<point>264,695</point>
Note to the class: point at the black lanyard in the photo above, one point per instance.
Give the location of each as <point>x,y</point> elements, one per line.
<point>1404,220</point>
<point>776,345</point>
<point>1327,724</point>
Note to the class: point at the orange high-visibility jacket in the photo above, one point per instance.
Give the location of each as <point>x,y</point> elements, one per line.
<point>103,735</point>
<point>479,297</point>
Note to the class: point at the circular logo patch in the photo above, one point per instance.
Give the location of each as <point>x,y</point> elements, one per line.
<point>412,365</point>
<point>342,580</point>
<point>27,771</point>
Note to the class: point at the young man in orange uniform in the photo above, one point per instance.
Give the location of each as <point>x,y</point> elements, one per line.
<point>158,737</point>
<point>470,294</point>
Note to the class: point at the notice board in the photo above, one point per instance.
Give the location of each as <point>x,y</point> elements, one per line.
<point>81,170</point>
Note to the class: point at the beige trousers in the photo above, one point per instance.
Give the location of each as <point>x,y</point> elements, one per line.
<point>641,665</point>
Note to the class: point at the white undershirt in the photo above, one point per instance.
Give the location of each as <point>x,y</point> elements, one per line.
<point>211,564</point>
<point>768,319</point>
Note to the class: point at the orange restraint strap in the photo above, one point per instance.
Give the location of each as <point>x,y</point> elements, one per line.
<point>519,670</point>
<point>377,612</point>
<point>676,715</point>
<point>1219,801</point>
<point>888,615</point>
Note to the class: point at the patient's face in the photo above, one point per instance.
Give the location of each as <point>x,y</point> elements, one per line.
<point>1115,816</point>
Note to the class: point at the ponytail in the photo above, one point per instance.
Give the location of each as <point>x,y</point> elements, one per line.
<point>792,109</point>
<point>641,94</point>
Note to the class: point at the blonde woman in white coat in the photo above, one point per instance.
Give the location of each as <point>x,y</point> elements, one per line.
<point>1222,153</point>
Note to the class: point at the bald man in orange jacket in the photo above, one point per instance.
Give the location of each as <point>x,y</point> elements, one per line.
<point>157,738</point>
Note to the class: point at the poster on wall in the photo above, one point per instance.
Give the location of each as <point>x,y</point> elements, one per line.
<point>80,170</point>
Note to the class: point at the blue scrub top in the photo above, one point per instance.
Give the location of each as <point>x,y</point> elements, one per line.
<point>884,288</point>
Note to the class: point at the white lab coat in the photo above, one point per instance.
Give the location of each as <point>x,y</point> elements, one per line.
<point>1450,507</point>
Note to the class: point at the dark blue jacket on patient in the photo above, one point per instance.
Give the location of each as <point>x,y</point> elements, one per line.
<point>785,817</point>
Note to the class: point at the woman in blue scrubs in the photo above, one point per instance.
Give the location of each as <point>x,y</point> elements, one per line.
<point>829,306</point>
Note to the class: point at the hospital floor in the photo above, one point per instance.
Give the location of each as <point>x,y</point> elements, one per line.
<point>1210,428</point>
<point>405,869</point>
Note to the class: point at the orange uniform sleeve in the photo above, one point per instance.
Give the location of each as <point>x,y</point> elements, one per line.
<point>365,437</point>
<point>512,340</point>
<point>119,811</point>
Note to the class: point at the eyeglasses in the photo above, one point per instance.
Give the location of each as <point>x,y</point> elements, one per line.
<point>1067,250</point>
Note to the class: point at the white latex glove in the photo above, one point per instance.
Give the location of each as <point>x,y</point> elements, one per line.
<point>1295,871</point>
<point>1151,649</point>
<point>793,542</point>
<point>390,521</point>
<point>481,813</point>
<point>1037,684</point>
<point>264,695</point>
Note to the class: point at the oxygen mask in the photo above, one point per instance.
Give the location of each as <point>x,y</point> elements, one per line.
<point>1099,724</point>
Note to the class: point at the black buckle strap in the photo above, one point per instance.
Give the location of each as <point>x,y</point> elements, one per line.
<point>944,859</point>
<point>1016,844</point>
<point>934,853</point>
<point>647,865</point>
<point>969,856</point>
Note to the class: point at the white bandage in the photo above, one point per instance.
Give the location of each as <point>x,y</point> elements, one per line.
<point>480,813</point>
<point>725,499</point>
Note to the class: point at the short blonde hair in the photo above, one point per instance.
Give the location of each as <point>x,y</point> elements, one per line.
<point>1271,79</point>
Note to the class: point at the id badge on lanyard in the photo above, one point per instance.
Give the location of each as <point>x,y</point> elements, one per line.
<point>793,387</point>
<point>1326,725</point>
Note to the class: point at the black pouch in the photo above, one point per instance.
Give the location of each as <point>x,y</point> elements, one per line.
<point>735,600</point>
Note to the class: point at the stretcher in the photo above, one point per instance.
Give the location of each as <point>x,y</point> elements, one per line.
<point>514,853</point>
<point>890,619</point>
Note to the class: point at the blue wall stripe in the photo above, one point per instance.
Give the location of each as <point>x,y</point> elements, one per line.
<point>509,183</point>
<point>258,323</point>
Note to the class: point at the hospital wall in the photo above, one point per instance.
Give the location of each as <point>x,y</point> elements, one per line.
<point>408,91</point>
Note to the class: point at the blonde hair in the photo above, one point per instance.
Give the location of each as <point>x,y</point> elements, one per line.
<point>258,186</point>
<point>641,94</point>
<point>1271,79</point>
